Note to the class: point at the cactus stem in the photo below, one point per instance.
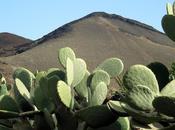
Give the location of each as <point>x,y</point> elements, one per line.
<point>119,81</point>
<point>30,113</point>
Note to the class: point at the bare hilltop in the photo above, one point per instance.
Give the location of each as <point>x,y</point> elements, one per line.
<point>94,38</point>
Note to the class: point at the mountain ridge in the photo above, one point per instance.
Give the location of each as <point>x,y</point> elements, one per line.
<point>67,27</point>
<point>94,38</point>
<point>10,42</point>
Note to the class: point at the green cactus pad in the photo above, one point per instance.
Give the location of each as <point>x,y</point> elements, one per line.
<point>116,106</point>
<point>52,71</point>
<point>165,105</point>
<point>99,94</point>
<point>141,116</point>
<point>8,103</point>
<point>140,98</point>
<point>65,53</point>
<point>3,89</point>
<point>42,100</point>
<point>97,116</point>
<point>69,71</point>
<point>169,9</point>
<point>20,87</point>
<point>52,87</point>
<point>169,26</point>
<point>82,88</point>
<point>169,89</point>
<point>25,76</point>
<point>122,123</point>
<point>113,66</point>
<point>140,75</point>
<point>64,92</point>
<point>99,76</point>
<point>76,71</point>
<point>79,71</point>
<point>39,75</point>
<point>22,95</point>
<point>161,72</point>
<point>56,72</point>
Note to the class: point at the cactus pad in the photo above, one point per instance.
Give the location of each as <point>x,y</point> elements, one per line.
<point>169,26</point>
<point>82,88</point>
<point>69,71</point>
<point>22,91</point>
<point>64,92</point>
<point>65,53</point>
<point>140,75</point>
<point>25,76</point>
<point>122,123</point>
<point>169,9</point>
<point>161,72</point>
<point>116,106</point>
<point>79,71</point>
<point>3,89</point>
<point>140,98</point>
<point>165,105</point>
<point>113,66</point>
<point>169,89</point>
<point>99,94</point>
<point>99,76</point>
<point>97,116</point>
<point>8,103</point>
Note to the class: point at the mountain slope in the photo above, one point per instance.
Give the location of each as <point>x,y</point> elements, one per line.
<point>9,43</point>
<point>96,37</point>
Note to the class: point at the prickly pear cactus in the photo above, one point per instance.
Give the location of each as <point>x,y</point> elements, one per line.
<point>140,98</point>
<point>140,75</point>
<point>94,116</point>
<point>113,66</point>
<point>168,22</point>
<point>165,105</point>
<point>25,76</point>
<point>64,92</point>
<point>64,54</point>
<point>169,89</point>
<point>161,72</point>
<point>70,98</point>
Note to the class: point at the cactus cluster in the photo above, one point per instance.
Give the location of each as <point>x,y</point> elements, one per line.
<point>73,98</point>
<point>149,91</point>
<point>142,98</point>
<point>67,99</point>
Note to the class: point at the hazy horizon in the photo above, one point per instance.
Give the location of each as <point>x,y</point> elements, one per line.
<point>33,19</point>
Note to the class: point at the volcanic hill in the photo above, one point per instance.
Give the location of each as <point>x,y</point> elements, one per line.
<point>10,43</point>
<point>96,37</point>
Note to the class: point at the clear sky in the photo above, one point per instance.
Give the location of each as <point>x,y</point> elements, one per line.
<point>35,18</point>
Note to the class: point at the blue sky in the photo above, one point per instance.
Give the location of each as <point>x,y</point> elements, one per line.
<point>35,18</point>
